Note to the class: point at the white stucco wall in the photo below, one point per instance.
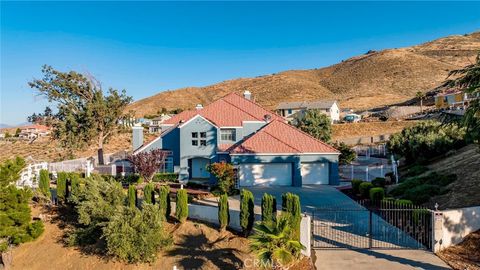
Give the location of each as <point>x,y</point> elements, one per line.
<point>456,224</point>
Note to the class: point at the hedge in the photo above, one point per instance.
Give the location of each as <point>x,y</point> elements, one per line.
<point>223,213</point>
<point>149,194</point>
<point>379,182</point>
<point>62,185</point>
<point>291,206</point>
<point>247,215</point>
<point>164,201</point>
<point>182,205</point>
<point>165,177</point>
<point>377,194</point>
<point>269,208</point>
<point>365,189</point>
<point>356,185</point>
<point>132,196</point>
<point>44,184</point>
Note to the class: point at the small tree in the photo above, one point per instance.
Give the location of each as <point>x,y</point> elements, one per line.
<point>291,206</point>
<point>269,208</point>
<point>224,174</point>
<point>147,163</point>
<point>17,132</point>
<point>164,201</point>
<point>132,196</point>
<point>315,123</point>
<point>182,205</point>
<point>247,215</point>
<point>44,183</point>
<point>62,185</point>
<point>223,213</point>
<point>149,194</point>
<point>74,188</point>
<point>347,154</point>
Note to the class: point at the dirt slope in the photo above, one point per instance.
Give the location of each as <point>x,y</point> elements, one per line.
<point>370,80</point>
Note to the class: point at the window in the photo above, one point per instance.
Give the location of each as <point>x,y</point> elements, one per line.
<point>194,134</point>
<point>203,134</point>
<point>289,111</point>
<point>195,142</point>
<point>227,135</point>
<point>203,143</point>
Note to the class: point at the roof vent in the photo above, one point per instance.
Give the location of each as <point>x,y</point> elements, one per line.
<point>247,95</point>
<point>267,118</point>
<point>199,107</point>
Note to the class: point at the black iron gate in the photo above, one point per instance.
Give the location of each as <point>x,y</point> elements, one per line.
<point>386,225</point>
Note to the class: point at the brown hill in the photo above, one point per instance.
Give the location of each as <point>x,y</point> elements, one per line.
<point>366,81</point>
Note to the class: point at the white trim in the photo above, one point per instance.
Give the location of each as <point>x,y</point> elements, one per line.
<point>254,121</point>
<point>222,152</point>
<point>191,119</point>
<point>282,154</point>
<point>162,124</point>
<point>222,127</point>
<point>146,145</point>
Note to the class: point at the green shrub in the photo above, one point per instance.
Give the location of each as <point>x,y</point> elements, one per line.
<point>356,185</point>
<point>35,229</point>
<point>164,201</point>
<point>74,189</point>
<point>62,185</point>
<point>225,175</point>
<point>182,205</point>
<point>379,182</point>
<point>247,215</point>
<point>44,184</point>
<point>269,208</point>
<point>132,196</point>
<point>365,189</point>
<point>422,194</point>
<point>149,194</point>
<point>291,206</point>
<point>165,177</point>
<point>377,194</point>
<point>403,202</point>
<point>223,213</point>
<point>135,236</point>
<point>416,170</point>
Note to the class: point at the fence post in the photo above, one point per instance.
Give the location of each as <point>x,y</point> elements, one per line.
<point>351,178</point>
<point>381,171</point>
<point>366,171</point>
<point>370,236</point>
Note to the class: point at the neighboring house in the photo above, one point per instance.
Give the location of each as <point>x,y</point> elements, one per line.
<point>289,110</point>
<point>157,121</point>
<point>453,98</point>
<point>263,148</point>
<point>34,131</point>
<point>29,176</point>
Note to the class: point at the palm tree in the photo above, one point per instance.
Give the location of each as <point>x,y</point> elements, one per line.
<point>273,243</point>
<point>420,95</point>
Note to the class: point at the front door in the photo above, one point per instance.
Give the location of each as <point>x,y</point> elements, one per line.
<point>199,168</point>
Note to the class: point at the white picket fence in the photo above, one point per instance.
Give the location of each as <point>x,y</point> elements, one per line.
<point>368,172</point>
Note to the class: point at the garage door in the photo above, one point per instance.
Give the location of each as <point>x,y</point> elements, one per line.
<point>315,173</point>
<point>278,174</point>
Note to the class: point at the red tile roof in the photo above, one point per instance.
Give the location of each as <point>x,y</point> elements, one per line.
<point>279,137</point>
<point>229,111</point>
<point>35,126</point>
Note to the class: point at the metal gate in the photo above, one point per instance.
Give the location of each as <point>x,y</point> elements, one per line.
<point>383,225</point>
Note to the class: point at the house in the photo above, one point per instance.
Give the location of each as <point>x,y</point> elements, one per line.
<point>157,121</point>
<point>454,99</point>
<point>264,149</point>
<point>289,110</point>
<point>34,131</point>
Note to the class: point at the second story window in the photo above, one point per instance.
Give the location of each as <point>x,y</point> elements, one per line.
<point>203,134</point>
<point>194,135</point>
<point>227,135</point>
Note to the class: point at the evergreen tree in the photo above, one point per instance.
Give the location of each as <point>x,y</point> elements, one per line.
<point>182,205</point>
<point>62,185</point>
<point>247,215</point>
<point>223,213</point>
<point>269,208</point>
<point>132,196</point>
<point>44,183</point>
<point>149,194</point>
<point>315,123</point>
<point>291,206</point>
<point>164,201</point>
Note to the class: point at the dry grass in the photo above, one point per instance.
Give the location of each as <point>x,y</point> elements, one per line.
<point>371,80</point>
<point>464,256</point>
<point>352,130</point>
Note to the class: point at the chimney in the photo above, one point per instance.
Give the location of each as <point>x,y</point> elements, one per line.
<point>199,107</point>
<point>247,95</point>
<point>137,136</point>
<point>267,118</point>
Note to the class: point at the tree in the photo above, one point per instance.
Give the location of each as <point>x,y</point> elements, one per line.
<point>132,196</point>
<point>223,213</point>
<point>315,123</point>
<point>85,114</point>
<point>274,243</point>
<point>44,183</point>
<point>149,194</point>
<point>291,207</point>
<point>148,163</point>
<point>420,95</point>
<point>10,170</point>
<point>469,81</point>
<point>164,201</point>
<point>224,174</point>
<point>181,211</point>
<point>247,215</point>
<point>62,185</point>
<point>269,208</point>
<point>17,132</point>
<point>347,154</point>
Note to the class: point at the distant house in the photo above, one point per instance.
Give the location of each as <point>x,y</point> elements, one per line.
<point>263,148</point>
<point>155,125</point>
<point>289,110</point>
<point>453,98</point>
<point>34,131</point>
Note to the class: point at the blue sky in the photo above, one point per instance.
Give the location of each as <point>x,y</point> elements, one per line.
<point>147,47</point>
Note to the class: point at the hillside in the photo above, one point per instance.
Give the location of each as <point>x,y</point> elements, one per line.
<point>370,80</point>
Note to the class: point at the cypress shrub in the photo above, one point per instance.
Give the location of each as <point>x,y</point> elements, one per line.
<point>356,185</point>
<point>223,213</point>
<point>247,216</point>
<point>164,201</point>
<point>44,184</point>
<point>269,208</point>
<point>132,196</point>
<point>149,194</point>
<point>291,207</point>
<point>182,205</point>
<point>379,182</point>
<point>62,185</point>
<point>365,189</point>
<point>74,185</point>
<point>377,194</point>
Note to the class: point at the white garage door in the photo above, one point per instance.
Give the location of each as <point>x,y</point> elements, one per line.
<point>278,174</point>
<point>315,173</point>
